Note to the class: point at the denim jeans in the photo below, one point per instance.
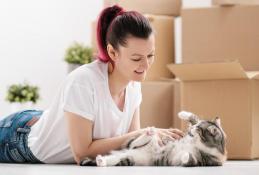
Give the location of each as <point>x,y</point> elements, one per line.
<point>14,130</point>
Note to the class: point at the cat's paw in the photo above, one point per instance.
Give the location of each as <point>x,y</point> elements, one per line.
<point>185,158</point>
<point>188,116</point>
<point>185,115</point>
<point>100,161</point>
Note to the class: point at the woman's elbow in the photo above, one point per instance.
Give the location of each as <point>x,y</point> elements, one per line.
<point>77,160</point>
<point>78,157</point>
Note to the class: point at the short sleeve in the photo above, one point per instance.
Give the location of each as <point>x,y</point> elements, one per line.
<point>79,99</point>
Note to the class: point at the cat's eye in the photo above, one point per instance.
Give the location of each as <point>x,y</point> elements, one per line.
<point>212,130</point>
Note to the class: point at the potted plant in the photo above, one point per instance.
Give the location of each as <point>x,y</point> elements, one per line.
<point>22,96</point>
<point>78,54</point>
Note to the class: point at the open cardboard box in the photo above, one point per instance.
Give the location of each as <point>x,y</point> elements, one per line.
<point>225,90</point>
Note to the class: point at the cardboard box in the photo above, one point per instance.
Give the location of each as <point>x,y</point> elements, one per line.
<point>156,7</point>
<point>93,37</point>
<point>164,44</point>
<point>225,90</point>
<point>235,2</point>
<point>218,34</point>
<point>157,101</point>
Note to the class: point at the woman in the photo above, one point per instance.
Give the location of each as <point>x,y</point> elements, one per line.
<point>97,108</point>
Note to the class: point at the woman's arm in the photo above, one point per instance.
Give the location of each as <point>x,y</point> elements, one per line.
<point>82,144</point>
<point>135,122</point>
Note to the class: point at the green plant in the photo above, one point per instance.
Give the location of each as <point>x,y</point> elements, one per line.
<point>77,53</point>
<point>22,93</point>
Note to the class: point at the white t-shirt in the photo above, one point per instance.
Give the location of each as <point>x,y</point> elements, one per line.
<point>86,93</point>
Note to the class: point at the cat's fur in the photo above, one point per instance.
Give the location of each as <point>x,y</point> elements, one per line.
<point>203,145</point>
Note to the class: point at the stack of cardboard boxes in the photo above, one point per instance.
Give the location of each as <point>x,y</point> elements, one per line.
<point>156,108</point>
<point>219,74</point>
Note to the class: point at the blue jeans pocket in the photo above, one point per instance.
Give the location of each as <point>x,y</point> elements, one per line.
<point>14,155</point>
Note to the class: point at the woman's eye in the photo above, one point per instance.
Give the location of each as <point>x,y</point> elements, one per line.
<point>151,56</point>
<point>136,59</point>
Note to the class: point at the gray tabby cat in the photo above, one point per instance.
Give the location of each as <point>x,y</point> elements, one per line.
<point>203,145</point>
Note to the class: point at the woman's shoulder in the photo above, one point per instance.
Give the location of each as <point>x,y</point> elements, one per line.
<point>88,73</point>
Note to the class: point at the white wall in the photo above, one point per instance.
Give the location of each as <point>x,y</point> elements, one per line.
<point>33,37</point>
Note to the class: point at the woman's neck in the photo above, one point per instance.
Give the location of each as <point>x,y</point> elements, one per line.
<point>117,83</point>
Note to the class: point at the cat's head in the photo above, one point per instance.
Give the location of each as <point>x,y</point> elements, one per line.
<point>210,133</point>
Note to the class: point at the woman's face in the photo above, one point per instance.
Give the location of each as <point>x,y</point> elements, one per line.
<point>134,59</point>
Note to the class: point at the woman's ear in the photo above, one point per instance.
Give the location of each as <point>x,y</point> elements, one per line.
<point>113,54</point>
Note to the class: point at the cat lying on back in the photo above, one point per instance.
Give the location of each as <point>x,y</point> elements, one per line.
<point>203,145</point>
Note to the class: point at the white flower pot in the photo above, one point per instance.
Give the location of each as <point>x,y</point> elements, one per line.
<point>21,106</point>
<point>72,67</point>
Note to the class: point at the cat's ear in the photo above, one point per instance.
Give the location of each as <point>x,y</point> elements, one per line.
<point>217,121</point>
<point>188,116</point>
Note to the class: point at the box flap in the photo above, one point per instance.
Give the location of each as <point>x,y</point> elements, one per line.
<point>208,71</point>
<point>253,74</point>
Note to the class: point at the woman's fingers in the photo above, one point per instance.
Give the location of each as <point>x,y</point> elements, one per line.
<point>175,136</point>
<point>176,131</point>
<point>172,133</point>
<point>160,142</point>
<point>165,138</point>
<point>166,135</point>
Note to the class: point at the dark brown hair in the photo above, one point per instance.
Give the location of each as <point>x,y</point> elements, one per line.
<point>115,25</point>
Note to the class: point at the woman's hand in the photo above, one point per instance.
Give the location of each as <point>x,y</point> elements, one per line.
<point>167,135</point>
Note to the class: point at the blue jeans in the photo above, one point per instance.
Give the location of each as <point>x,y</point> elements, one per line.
<point>14,130</point>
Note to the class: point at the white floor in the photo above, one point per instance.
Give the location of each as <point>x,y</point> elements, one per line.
<point>229,168</point>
